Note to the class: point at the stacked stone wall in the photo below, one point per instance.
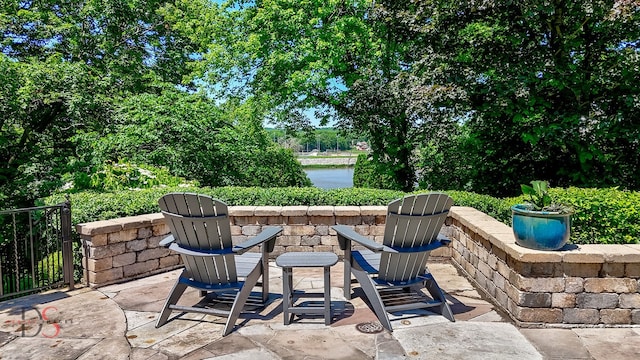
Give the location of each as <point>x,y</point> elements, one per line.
<point>594,285</point>
<point>586,284</point>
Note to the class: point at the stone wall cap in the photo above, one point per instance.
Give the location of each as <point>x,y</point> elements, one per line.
<point>242,210</point>
<point>99,227</point>
<point>527,255</point>
<point>321,210</point>
<point>157,218</point>
<point>373,210</point>
<point>268,211</point>
<point>347,210</point>
<point>299,210</point>
<point>585,254</point>
<point>618,253</point>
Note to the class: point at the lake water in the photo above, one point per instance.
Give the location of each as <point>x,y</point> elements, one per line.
<point>331,178</point>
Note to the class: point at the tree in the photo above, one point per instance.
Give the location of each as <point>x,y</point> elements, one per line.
<point>194,138</point>
<point>347,60</point>
<point>64,65</point>
<point>550,88</point>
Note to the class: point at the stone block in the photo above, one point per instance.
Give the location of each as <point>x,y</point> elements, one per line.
<point>99,240</point>
<point>298,220</point>
<point>144,232</point>
<point>563,300</point>
<point>321,211</point>
<point>299,230</point>
<point>615,316</point>
<point>545,269</point>
<point>612,270</point>
<point>597,301</point>
<point>348,220</point>
<point>573,285</point>
<point>322,230</point>
<point>503,269</point>
<point>287,240</point>
<point>161,229</point>
<point>376,230</point>
<point>551,285</point>
<point>236,230</point>
<point>295,211</point>
<point>362,229</point>
<point>538,315</point>
<point>122,236</point>
<point>140,268</point>
<point>485,269</point>
<point>297,248</point>
<point>97,265</point>
<point>491,288</point>
<point>501,297</point>
<point>373,210</point>
<point>275,220</point>
<point>251,230</point>
<point>635,316</point>
<point>581,316</point>
<point>124,259</point>
<point>632,270</point>
<point>98,278</point>
<point>606,285</point>
<point>242,211</point>
<point>630,301</point>
<point>310,240</point>
<point>534,300</point>
<point>323,248</point>
<point>347,211</point>
<point>245,220</point>
<point>149,254</point>
<point>492,261</point>
<point>99,252</point>
<point>98,227</point>
<point>154,241</point>
<point>136,245</point>
<point>582,270</point>
<point>499,280</point>
<point>329,240</point>
<point>169,261</point>
<point>268,211</point>
<point>322,220</point>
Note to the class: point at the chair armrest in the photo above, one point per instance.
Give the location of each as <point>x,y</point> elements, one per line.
<point>268,233</point>
<point>350,234</point>
<point>198,252</point>
<point>167,241</point>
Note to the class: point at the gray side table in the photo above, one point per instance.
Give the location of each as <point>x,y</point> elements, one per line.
<point>287,262</point>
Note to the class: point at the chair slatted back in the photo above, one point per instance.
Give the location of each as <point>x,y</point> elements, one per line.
<point>200,223</point>
<point>412,222</point>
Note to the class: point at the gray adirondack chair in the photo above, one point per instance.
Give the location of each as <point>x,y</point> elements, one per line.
<point>388,272</point>
<point>201,234</point>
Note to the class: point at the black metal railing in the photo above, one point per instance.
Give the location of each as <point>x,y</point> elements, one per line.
<point>35,250</point>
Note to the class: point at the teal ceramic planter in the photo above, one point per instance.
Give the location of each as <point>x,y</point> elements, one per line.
<point>540,230</point>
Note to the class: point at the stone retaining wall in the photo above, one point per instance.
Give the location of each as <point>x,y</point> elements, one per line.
<point>591,284</point>
<point>587,285</point>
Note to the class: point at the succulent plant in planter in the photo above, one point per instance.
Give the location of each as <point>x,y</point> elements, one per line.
<point>539,223</point>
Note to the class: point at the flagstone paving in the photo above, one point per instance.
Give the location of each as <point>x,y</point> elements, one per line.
<point>118,322</point>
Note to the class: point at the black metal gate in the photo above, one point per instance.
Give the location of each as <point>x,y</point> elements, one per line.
<point>35,249</point>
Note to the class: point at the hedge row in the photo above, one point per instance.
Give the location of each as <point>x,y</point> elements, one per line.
<point>606,216</point>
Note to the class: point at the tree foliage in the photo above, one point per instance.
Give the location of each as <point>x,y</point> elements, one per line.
<point>550,88</point>
<point>64,65</point>
<point>346,60</point>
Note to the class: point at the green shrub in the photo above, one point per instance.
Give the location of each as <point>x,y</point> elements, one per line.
<point>368,173</point>
<point>606,216</point>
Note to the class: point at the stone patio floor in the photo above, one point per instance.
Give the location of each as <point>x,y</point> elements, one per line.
<point>118,322</point>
